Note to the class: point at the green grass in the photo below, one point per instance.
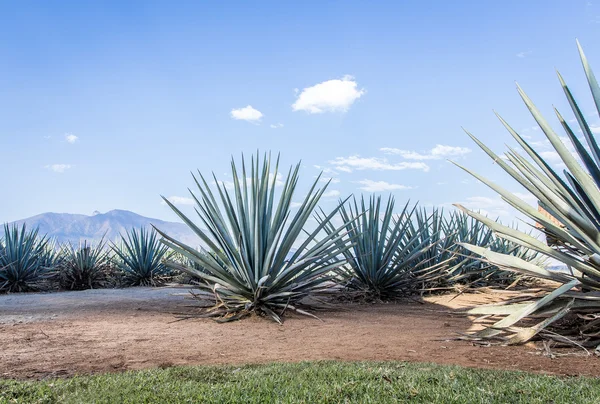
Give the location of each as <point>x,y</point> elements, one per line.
<point>308,382</point>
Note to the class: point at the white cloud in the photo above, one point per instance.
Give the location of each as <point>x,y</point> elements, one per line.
<point>326,170</point>
<point>345,169</point>
<point>523,54</point>
<point>595,129</point>
<point>58,168</point>
<point>380,186</point>
<point>276,125</point>
<point>294,205</point>
<point>331,180</point>
<point>437,153</point>
<point>329,96</point>
<point>334,193</point>
<point>492,207</point>
<point>347,164</point>
<point>70,138</point>
<point>247,113</point>
<point>180,200</point>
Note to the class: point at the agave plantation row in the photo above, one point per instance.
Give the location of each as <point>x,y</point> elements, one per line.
<point>423,253</point>
<point>31,262</point>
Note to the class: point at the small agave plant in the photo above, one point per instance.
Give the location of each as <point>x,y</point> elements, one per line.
<point>443,232</point>
<point>140,256</point>
<point>390,257</point>
<point>573,199</point>
<point>262,257</point>
<point>26,260</point>
<point>468,268</point>
<point>85,267</point>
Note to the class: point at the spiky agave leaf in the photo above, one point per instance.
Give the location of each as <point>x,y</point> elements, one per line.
<point>26,260</point>
<point>573,200</point>
<point>140,256</point>
<point>389,258</point>
<point>251,234</point>
<point>84,267</point>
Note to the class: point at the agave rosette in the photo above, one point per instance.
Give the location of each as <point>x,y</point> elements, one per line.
<point>390,257</point>
<point>26,260</point>
<point>258,260</point>
<point>139,256</point>
<point>85,266</point>
<point>573,200</point>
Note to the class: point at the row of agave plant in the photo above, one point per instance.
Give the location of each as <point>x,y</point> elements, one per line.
<point>30,262</point>
<point>424,253</point>
<point>263,255</point>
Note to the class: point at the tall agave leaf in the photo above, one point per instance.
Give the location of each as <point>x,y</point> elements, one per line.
<point>140,257</point>
<point>389,258</point>
<point>85,267</point>
<point>258,261</point>
<point>26,260</point>
<point>574,201</point>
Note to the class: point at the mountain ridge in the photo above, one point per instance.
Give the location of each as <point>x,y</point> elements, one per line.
<point>75,228</point>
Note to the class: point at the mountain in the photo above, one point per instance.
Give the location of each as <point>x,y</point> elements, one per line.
<point>66,227</point>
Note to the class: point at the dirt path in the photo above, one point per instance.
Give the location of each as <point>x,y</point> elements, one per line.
<point>63,334</point>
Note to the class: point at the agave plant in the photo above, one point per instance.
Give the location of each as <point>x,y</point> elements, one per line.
<point>26,260</point>
<point>444,232</point>
<point>574,201</point>
<point>257,260</point>
<point>140,257</point>
<point>433,229</point>
<point>390,257</point>
<point>85,267</point>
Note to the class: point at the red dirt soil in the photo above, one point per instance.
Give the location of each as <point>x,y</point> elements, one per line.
<point>58,335</point>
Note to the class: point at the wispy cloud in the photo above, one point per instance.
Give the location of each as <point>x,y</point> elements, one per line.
<point>71,138</point>
<point>437,153</point>
<point>248,114</point>
<point>348,164</point>
<point>523,54</point>
<point>180,200</point>
<point>380,186</point>
<point>276,125</point>
<point>58,168</point>
<point>493,207</point>
<point>334,193</point>
<point>332,180</point>
<point>329,96</point>
<point>326,170</point>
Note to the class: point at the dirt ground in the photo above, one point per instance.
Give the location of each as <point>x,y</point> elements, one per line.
<point>63,334</point>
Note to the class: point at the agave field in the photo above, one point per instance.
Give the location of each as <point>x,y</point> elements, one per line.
<point>264,253</point>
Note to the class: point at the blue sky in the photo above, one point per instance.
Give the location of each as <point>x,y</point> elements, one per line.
<point>110,105</point>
